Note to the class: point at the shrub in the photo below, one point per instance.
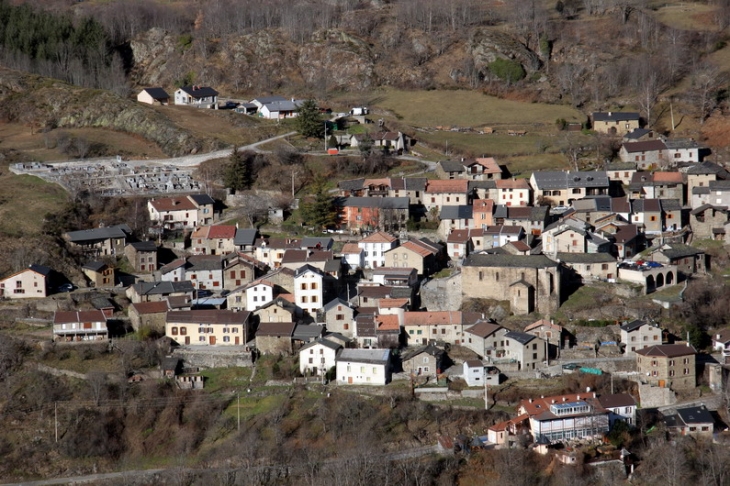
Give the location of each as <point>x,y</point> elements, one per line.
<point>507,70</point>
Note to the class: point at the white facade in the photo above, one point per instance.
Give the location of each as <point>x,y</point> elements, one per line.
<point>642,337</point>
<point>317,358</point>
<point>176,274</point>
<point>363,367</point>
<point>258,294</point>
<point>23,285</point>
<point>308,291</point>
<point>473,373</point>
<point>374,256</point>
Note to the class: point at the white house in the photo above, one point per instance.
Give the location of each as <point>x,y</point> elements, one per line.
<point>153,96</point>
<point>622,407</point>
<point>308,292</point>
<point>317,357</point>
<point>181,212</point>
<point>639,334</point>
<point>204,271</point>
<point>31,282</point>
<point>252,296</point>
<point>202,96</point>
<point>721,341</point>
<point>375,246</point>
<point>474,372</point>
<point>363,367</point>
<point>353,257</point>
<point>277,110</point>
<point>513,192</point>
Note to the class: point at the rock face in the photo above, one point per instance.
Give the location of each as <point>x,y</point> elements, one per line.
<point>487,46</point>
<point>333,59</point>
<point>54,104</point>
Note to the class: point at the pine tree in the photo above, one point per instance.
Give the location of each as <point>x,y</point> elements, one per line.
<point>238,171</point>
<point>320,210</point>
<point>309,121</point>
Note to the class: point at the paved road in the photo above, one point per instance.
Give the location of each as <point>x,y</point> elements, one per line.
<point>89,479</point>
<point>712,402</point>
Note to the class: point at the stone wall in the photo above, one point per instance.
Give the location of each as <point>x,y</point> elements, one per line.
<point>218,359</point>
<point>653,396</point>
<point>442,294</point>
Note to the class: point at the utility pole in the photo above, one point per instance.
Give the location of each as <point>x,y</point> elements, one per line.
<point>238,413</point>
<point>55,418</point>
<point>325,136</point>
<point>486,396</point>
<point>671,110</point>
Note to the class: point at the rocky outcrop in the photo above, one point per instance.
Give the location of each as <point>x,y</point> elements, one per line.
<point>52,103</point>
<point>487,46</point>
<point>344,60</point>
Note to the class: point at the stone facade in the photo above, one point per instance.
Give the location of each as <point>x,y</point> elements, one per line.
<point>670,365</point>
<point>531,283</point>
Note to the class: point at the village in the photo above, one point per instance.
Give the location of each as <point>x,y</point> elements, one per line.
<point>452,311</point>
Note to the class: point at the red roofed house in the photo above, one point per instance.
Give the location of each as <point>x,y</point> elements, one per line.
<point>513,192</point>
<point>565,417</point>
<point>419,254</point>
<point>500,433</point>
<point>80,326</point>
<point>458,244</point>
<point>668,365</point>
<point>446,193</point>
<point>388,331</point>
<point>213,240</point>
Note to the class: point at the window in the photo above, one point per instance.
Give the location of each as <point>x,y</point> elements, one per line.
<point>347,326</point>
<point>183,331</point>
<point>201,339</point>
<point>174,331</point>
<point>340,317</point>
<point>303,286</point>
<point>686,371</point>
<point>226,339</point>
<point>314,299</point>
<point>534,355</point>
<point>419,332</point>
<point>443,331</point>
<point>313,286</point>
<point>434,331</point>
<point>311,360</point>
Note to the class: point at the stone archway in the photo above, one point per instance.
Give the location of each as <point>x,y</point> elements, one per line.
<point>670,278</point>
<point>650,285</point>
<point>660,280</point>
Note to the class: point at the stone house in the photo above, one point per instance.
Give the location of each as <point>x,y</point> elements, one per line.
<point>142,256</point>
<point>150,315</point>
<point>275,337</point>
<point>156,291</point>
<point>213,240</point>
<point>278,310</point>
<point>453,218</point>
<point>668,365</point>
<point>688,259</point>
<point>709,222</point>
<point>339,316</point>
<point>717,193</point>
<point>241,269</point>
<point>646,155</point>
<point>701,174</point>
<point>97,242</point>
<point>479,169</point>
<point>534,219</point>
<point>204,271</point>
<point>421,254</point>
<point>31,282</point>
<point>245,240</point>
<point>615,122</point>
<point>586,267</point>
<point>423,361</point>
<point>484,339</point>
<point>621,172</point>
<point>209,327</point>
<point>639,334</point>
<point>659,185</point>
<point>99,274</point>
<point>527,349</point>
<point>561,188</point>
<point>531,283</point>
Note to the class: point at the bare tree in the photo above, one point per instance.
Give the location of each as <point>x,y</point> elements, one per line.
<point>707,81</point>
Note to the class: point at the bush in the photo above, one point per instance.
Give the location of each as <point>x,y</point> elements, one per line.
<point>507,70</point>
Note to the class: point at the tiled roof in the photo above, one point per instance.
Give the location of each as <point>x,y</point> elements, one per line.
<point>66,317</point>
<point>351,248</point>
<point>667,350</point>
<point>392,303</point>
<point>455,186</point>
<point>379,237</point>
<point>207,316</point>
<point>178,203</point>
<point>374,202</point>
<point>617,400</point>
<point>151,307</point>
<point>222,231</point>
<point>544,322</point>
<point>372,356</point>
<point>458,236</point>
<point>483,329</point>
<point>647,146</point>
<point>275,329</point>
<point>503,260</point>
<point>386,323</point>
<point>676,177</point>
<point>432,318</point>
<point>512,184</point>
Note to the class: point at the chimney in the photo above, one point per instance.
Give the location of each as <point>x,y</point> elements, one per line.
<point>718,337</point>
<point>609,113</point>
<point>552,401</point>
<point>588,389</point>
<point>529,400</point>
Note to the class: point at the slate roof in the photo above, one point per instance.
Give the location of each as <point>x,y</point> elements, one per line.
<point>374,202</point>
<point>161,288</point>
<point>311,242</point>
<point>415,183</point>
<point>678,250</point>
<point>451,166</point>
<point>645,205</point>
<point>483,329</point>
<point>646,146</point>
<point>608,116</point>
<point>323,342</point>
<point>521,337</point>
<point>456,212</point>
<point>299,256</point>
<point>197,263</point>
<point>202,199</point>
<point>144,245</point>
<point>586,258</point>
<point>200,92</point>
<point>275,329</point>
<point>679,144</point>
<point>567,179</point>
<point>637,133</point>
<point>707,167</point>
<point>505,260</point>
<point>351,185</point>
<point>245,237</point>
<point>372,356</point>
<point>633,325</point>
<point>719,185</point>
<point>144,308</point>
<point>307,332</point>
<point>268,99</point>
<point>307,268</point>
<point>41,269</point>
<point>616,166</point>
<point>695,415</point>
<point>428,349</point>
<point>335,302</point>
<point>157,93</point>
<point>94,266</point>
<point>286,105</point>
<point>108,232</point>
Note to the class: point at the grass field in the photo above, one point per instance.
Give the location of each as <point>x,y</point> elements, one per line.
<point>471,109</point>
<point>687,16</point>
<point>25,201</point>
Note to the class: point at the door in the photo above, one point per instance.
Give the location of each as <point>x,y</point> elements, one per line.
<point>238,340</point>
<point>349,379</point>
<point>187,339</point>
<point>212,340</point>
<point>662,383</point>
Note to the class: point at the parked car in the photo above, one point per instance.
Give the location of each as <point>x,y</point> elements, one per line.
<point>67,287</point>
